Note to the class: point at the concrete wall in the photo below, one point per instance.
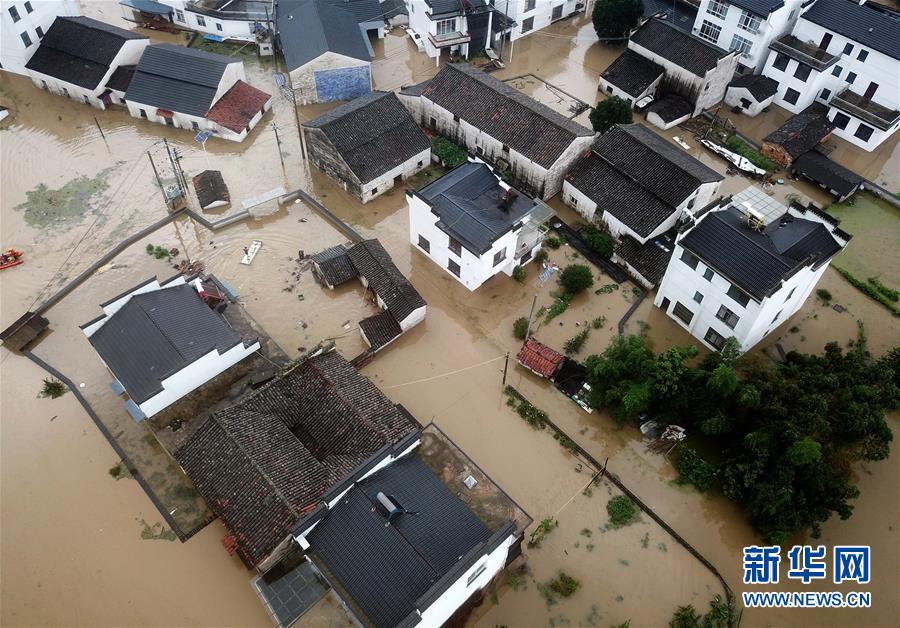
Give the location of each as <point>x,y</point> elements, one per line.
<point>305,82</point>
<point>735,95</point>
<point>848,133</point>
<point>14,54</point>
<point>386,181</point>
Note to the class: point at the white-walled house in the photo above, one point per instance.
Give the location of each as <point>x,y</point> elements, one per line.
<point>844,54</point>
<point>747,26</point>
<point>245,20</point>
<point>195,90</point>
<point>23,25</point>
<point>532,15</point>
<point>638,182</point>
<point>531,145</point>
<point>473,225</point>
<point>751,93</point>
<point>368,144</point>
<point>161,341</point>
<point>745,266</point>
<point>78,56</point>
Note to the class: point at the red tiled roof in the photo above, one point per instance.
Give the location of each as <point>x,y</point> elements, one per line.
<point>238,106</point>
<point>539,358</point>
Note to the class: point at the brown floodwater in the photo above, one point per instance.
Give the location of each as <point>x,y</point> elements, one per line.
<point>72,551</point>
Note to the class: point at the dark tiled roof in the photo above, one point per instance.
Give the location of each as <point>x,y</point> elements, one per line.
<point>802,132</point>
<point>156,334</point>
<point>468,202</point>
<point>632,73</point>
<point>671,107</point>
<point>638,177</point>
<point>866,24</point>
<point>817,167</point>
<point>121,78</point>
<point>758,7</point>
<point>650,259</point>
<point>373,134</point>
<point>539,358</point>
<point>758,261</point>
<point>680,14</point>
<point>759,86</point>
<point>385,569</point>
<point>380,329</point>
<point>266,460</point>
<point>335,265</point>
<point>385,279</point>
<point>414,90</point>
<point>79,50</point>
<point>179,79</point>
<point>363,10</point>
<point>448,7</point>
<point>308,29</point>
<point>683,49</point>
<point>504,113</point>
<point>237,107</point>
<point>210,187</point>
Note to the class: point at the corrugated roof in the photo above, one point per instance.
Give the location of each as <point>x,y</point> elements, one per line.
<point>385,279</point>
<point>309,28</point>
<point>632,73</point>
<point>681,48</point>
<point>875,27</point>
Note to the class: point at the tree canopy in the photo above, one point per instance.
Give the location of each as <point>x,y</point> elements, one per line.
<point>615,18</point>
<point>576,278</point>
<point>610,112</point>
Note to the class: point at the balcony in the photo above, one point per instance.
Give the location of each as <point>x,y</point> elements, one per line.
<point>806,53</point>
<point>534,228</point>
<point>863,108</point>
<point>449,39</point>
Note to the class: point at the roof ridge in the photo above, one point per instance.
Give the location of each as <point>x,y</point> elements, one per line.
<point>776,256</point>
<point>138,303</point>
<point>666,143</point>
<point>629,176</point>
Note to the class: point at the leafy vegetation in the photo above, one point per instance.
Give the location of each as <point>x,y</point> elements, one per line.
<point>614,18</point>
<point>598,241</point>
<point>607,288</point>
<point>621,511</point>
<point>520,274</point>
<point>159,252</point>
<point>692,469</point>
<point>574,344</point>
<point>542,529</point>
<point>553,242</point>
<point>889,293</point>
<point>520,328</point>
<point>449,153</point>
<point>541,256</point>
<point>869,290</point>
<point>559,306</point>
<point>576,278</point>
<point>156,532</point>
<point>718,616</point>
<point>562,586</point>
<point>535,417</point>
<point>759,160</point>
<point>610,112</point>
<point>120,471</point>
<point>598,322</point>
<point>53,388</point>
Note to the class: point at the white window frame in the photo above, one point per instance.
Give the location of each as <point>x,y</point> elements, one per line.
<point>201,21</point>
<point>179,16</point>
<point>742,45</point>
<point>708,27</point>
<point>717,8</point>
<point>442,27</point>
<point>749,22</point>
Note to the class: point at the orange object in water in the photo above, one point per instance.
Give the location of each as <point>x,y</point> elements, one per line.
<point>10,258</point>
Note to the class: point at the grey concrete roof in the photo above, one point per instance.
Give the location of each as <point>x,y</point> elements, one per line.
<point>308,29</point>
<point>870,25</point>
<point>681,48</point>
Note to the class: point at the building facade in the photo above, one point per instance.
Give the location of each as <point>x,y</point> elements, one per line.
<point>247,20</point>
<point>22,26</point>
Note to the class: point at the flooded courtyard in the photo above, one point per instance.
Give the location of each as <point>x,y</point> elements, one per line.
<point>82,548</point>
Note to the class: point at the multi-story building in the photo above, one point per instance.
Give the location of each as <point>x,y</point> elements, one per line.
<point>22,26</point>
<point>745,265</point>
<point>533,15</point>
<point>239,21</point>
<point>451,26</point>
<point>845,54</point>
<point>748,26</point>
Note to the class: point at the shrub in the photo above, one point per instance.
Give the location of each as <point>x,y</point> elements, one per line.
<point>692,469</point>
<point>449,153</point>
<point>614,18</point>
<point>559,306</point>
<point>541,256</point>
<point>685,617</point>
<point>53,388</point>
<point>553,242</point>
<point>757,159</point>
<point>574,344</point>
<point>609,112</point>
<point>520,274</point>
<point>576,278</point>
<point>543,529</point>
<point>598,322</point>
<point>607,289</point>
<point>889,293</point>
<point>564,585</point>
<point>621,511</point>
<point>159,252</point>
<point>520,328</point>
<point>597,241</point>
<point>823,294</point>
<point>869,290</point>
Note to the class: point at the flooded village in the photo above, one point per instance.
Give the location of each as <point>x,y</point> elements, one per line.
<point>245,382</point>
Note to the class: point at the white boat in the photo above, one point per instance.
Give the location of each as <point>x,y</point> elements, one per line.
<point>741,163</point>
<point>681,143</point>
<point>417,40</point>
<point>250,252</point>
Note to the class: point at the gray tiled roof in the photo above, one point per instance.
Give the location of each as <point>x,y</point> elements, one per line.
<point>671,107</point>
<point>380,329</point>
<point>681,48</point>
<point>385,279</point>
<point>759,86</point>
<point>803,131</point>
<point>680,13</point>
<point>632,73</point>
<point>309,28</point>
<point>866,24</point>
<point>758,7</point>
<point>335,266</point>
<point>373,134</point>
<point>156,334</point>
<point>504,113</point>
<point>817,167</point>
<point>179,79</point>
<point>650,259</point>
<point>385,569</point>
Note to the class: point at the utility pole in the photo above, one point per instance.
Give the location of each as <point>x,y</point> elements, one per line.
<point>530,316</point>
<point>505,367</point>
<point>158,180</point>
<point>278,142</point>
<point>174,168</point>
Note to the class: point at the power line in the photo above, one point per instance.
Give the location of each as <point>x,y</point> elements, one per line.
<point>428,379</point>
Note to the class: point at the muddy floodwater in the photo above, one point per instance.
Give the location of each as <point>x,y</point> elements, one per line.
<point>82,548</point>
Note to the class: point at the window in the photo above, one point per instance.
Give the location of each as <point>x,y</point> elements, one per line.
<point>14,14</point>
<point>39,31</point>
<point>424,244</point>
<point>746,104</point>
<point>826,94</point>
<point>863,55</point>
<point>28,8</point>
<point>841,120</point>
<point>851,76</point>
<point>143,114</point>
<point>455,118</point>
<point>690,204</point>
<point>530,4</point>
<point>708,274</point>
<point>505,148</point>
<point>714,338</point>
<point>476,573</point>
<point>698,297</point>
<point>848,48</point>
<point>374,190</point>
<point>25,39</point>
<point>445,27</point>
<point>527,25</point>
<point>609,89</point>
<point>837,70</point>
<point>66,92</point>
<point>179,15</point>
<point>419,165</point>
<point>870,91</point>
<point>194,125</point>
<point>739,296</point>
<point>717,8</point>
<point>727,316</point>
<point>802,72</point>
<point>749,22</point>
<point>777,316</point>
<point>709,31</point>
<point>682,313</point>
<point>87,100</point>
<point>864,132</point>
<point>499,256</point>
<point>791,96</point>
<point>557,12</point>
<point>218,26</point>
<point>455,246</point>
<point>201,21</point>
<point>453,267</point>
<point>742,45</point>
<point>781,62</point>
<point>44,85</point>
<point>432,122</point>
<point>790,294</point>
<point>690,259</point>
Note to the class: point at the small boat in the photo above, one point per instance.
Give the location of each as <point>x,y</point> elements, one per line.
<point>10,258</point>
<point>739,161</point>
<point>251,251</point>
<point>681,143</point>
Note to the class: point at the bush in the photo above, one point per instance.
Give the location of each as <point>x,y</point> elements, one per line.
<point>889,293</point>
<point>614,18</point>
<point>574,344</point>
<point>823,294</point>
<point>541,256</point>
<point>576,278</point>
<point>607,288</point>
<point>53,388</point>
<point>597,241</point>
<point>520,328</point>
<point>610,112</point>
<point>553,242</point>
<point>543,529</point>
<point>692,469</point>
<point>559,306</point>
<point>520,274</point>
<point>598,322</point>
<point>757,159</point>
<point>564,585</point>
<point>449,153</point>
<point>869,290</point>
<point>159,252</point>
<point>685,617</point>
<point>621,511</point>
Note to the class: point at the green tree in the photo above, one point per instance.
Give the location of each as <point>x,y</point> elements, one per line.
<point>685,617</point>
<point>576,278</point>
<point>597,241</point>
<point>609,112</point>
<point>615,18</point>
<point>619,377</point>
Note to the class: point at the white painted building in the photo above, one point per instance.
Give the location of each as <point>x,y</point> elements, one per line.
<point>751,93</point>
<point>531,16</point>
<point>447,27</point>
<point>79,55</point>
<point>23,25</point>
<point>244,20</point>
<point>846,55</point>
<point>161,341</point>
<point>745,266</point>
<point>474,225</point>
<point>747,26</point>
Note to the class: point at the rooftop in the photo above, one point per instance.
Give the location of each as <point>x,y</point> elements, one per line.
<point>374,263</point>
<point>681,48</point>
<point>372,134</point>
<point>760,87</point>
<point>649,259</point>
<point>804,52</point>
<point>761,8</point>
<point>869,24</point>
<point>865,109</point>
<point>237,108</point>
<point>235,9</point>
<point>308,29</point>
<point>503,112</point>
<point>454,7</point>
<point>121,78</point>
<point>679,13</point>
<point>473,207</point>
<point>632,73</point>
<point>335,266</point>
<point>802,132</point>
<point>817,167</point>
<point>79,50</point>
<point>671,107</point>
<point>210,188</point>
<point>539,358</point>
